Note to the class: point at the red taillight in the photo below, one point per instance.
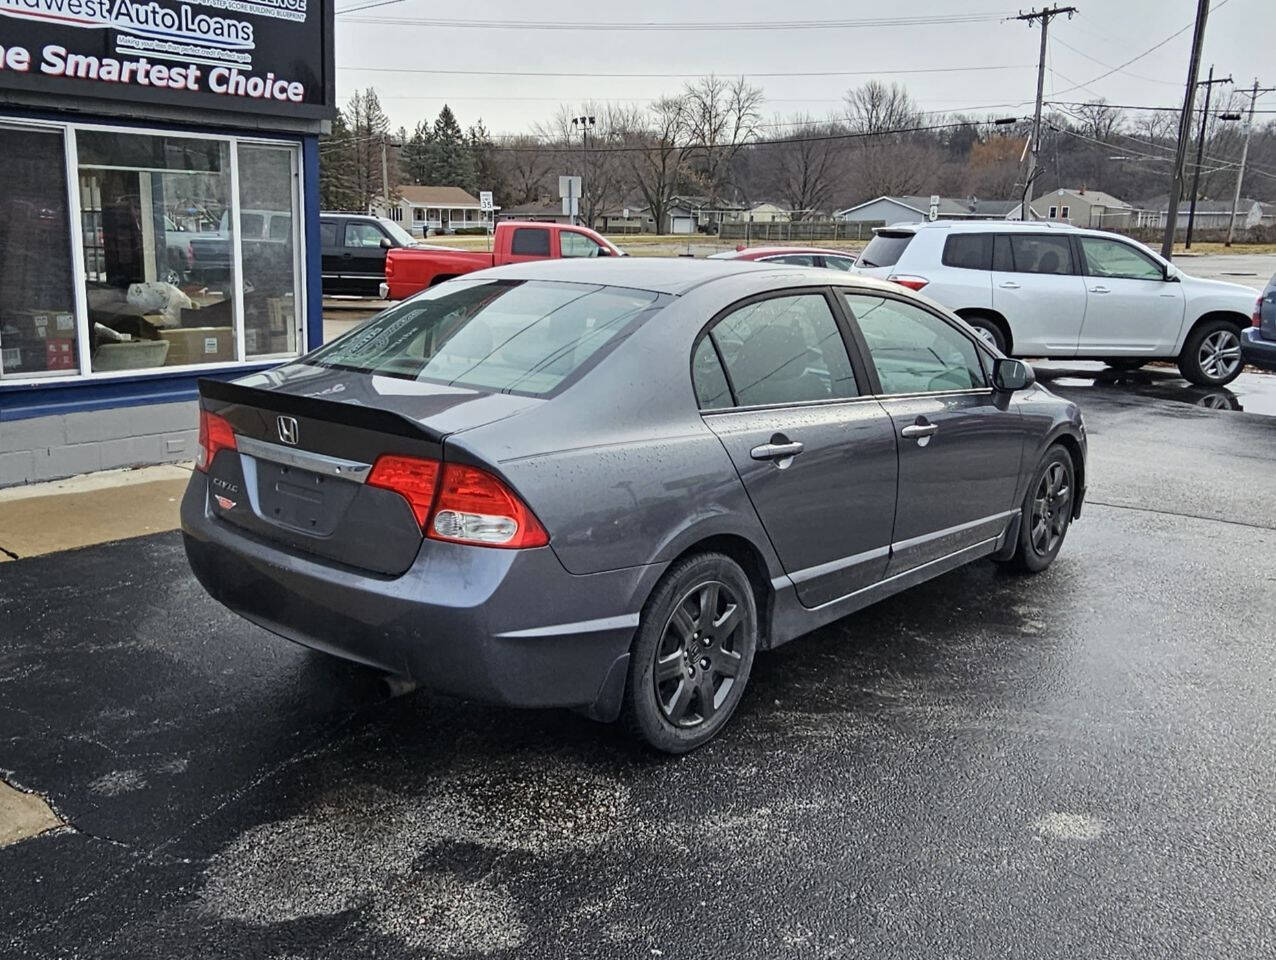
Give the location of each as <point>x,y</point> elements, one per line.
<point>906,280</point>
<point>475,507</point>
<point>413,478</point>
<point>1258,313</point>
<point>215,433</point>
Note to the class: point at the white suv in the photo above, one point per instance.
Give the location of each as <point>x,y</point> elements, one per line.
<point>1053,290</point>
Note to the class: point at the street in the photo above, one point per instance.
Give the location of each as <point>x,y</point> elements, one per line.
<point>1079,764</point>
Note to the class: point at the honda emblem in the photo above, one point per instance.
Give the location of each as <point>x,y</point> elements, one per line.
<point>287,430</point>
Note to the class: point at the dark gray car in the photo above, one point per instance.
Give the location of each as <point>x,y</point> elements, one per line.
<point>606,485</point>
<point>1258,343</point>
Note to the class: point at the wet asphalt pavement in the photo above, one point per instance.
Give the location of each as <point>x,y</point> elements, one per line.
<point>1080,764</point>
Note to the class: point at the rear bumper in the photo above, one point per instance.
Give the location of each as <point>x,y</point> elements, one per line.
<point>504,626</point>
<point>1256,350</point>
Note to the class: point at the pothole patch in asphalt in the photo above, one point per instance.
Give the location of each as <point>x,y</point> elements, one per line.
<point>24,815</point>
<point>1069,826</point>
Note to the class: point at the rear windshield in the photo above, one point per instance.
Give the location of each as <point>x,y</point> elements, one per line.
<point>885,249</point>
<point>509,336</point>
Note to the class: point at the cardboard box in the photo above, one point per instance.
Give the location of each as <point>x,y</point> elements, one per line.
<point>199,345</point>
<point>279,310</point>
<point>38,324</point>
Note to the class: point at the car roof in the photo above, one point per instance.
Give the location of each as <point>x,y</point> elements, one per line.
<point>342,213</point>
<point>978,226</point>
<point>754,252</point>
<point>674,275</point>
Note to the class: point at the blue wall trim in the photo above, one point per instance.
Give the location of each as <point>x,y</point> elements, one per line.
<point>21,402</point>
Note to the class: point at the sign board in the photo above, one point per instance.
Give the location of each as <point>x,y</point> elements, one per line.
<point>271,57</point>
<point>567,186</point>
<point>571,206</point>
<point>485,201</point>
<point>625,213</point>
<point>934,201</point>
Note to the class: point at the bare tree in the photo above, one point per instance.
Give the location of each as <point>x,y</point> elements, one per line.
<point>656,151</point>
<point>807,169</point>
<point>890,157</point>
<point>1100,120</point>
<point>721,117</point>
<point>526,163</point>
<point>877,108</point>
<point>597,163</point>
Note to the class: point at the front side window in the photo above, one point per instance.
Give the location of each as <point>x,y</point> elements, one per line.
<point>1039,253</point>
<point>838,263</point>
<point>363,235</point>
<point>508,336</point>
<point>39,335</point>
<point>530,242</point>
<point>1111,258</point>
<point>968,251</point>
<point>577,245</point>
<point>913,350</point>
<point>784,350</point>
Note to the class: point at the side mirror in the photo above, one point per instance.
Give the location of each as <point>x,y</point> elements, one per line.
<point>604,252</point>
<point>385,243</point>
<point>1010,375</point>
<point>1171,273</point>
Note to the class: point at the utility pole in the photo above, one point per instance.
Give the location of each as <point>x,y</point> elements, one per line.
<point>1185,125</point>
<point>585,123</point>
<point>1200,152</point>
<point>1240,173</point>
<point>385,178</point>
<point>1045,15</point>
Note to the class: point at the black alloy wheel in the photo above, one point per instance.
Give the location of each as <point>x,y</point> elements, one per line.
<point>1046,512</point>
<point>692,654</point>
<point>697,662</point>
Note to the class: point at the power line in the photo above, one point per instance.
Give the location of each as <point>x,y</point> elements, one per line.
<point>618,26</point>
<point>701,73</point>
<point>1082,53</point>
<point>367,6</point>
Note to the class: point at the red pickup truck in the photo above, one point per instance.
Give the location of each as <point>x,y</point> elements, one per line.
<point>410,270</point>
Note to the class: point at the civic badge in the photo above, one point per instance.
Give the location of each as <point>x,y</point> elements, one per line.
<point>287,430</point>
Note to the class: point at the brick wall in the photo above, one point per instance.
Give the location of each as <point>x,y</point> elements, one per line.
<point>50,448</point>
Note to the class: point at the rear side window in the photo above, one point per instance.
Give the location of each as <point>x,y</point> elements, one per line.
<point>838,263</point>
<point>1038,253</point>
<point>328,233</point>
<point>530,242</point>
<point>796,259</point>
<point>784,350</point>
<point>1001,258</point>
<point>509,336</point>
<point>885,249</point>
<point>969,251</point>
<point>712,392</point>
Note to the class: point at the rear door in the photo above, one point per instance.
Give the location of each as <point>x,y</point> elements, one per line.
<point>960,444</point>
<point>1267,311</point>
<point>1130,306</point>
<point>331,237</point>
<point>815,452</point>
<point>1037,286</point>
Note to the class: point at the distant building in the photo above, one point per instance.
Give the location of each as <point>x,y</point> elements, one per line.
<point>537,213</point>
<point>910,209</point>
<point>1082,208</point>
<point>441,209</point>
<point>766,212</point>
<point>1210,214</point>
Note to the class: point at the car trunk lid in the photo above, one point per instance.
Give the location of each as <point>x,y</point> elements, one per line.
<point>307,440</point>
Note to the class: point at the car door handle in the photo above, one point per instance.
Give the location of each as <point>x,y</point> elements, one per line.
<point>1009,285</point>
<point>1100,290</point>
<point>776,451</point>
<point>915,430</point>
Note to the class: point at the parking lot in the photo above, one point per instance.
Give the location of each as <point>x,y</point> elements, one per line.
<point>1078,764</point>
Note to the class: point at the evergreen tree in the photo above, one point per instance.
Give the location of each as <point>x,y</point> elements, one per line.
<point>337,180</point>
<point>489,173</point>
<point>418,154</point>
<point>452,162</point>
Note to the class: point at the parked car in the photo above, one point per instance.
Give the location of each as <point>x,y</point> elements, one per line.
<point>1258,343</point>
<point>353,247</point>
<point>606,486</point>
<point>797,256</point>
<point>411,271</point>
<point>1054,290</point>
<point>267,233</point>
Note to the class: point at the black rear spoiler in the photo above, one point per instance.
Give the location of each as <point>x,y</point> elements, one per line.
<point>223,393</point>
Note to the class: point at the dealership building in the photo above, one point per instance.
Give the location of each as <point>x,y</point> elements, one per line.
<point>159,216</point>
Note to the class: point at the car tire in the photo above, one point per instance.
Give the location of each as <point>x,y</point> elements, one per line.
<point>1121,363</point>
<point>1211,356</point>
<point>685,681</point>
<point>988,330</point>
<point>1046,512</point>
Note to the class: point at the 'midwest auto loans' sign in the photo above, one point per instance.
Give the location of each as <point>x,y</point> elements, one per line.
<point>262,56</point>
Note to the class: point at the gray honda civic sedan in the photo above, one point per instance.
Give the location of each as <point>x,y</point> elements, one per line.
<point>607,484</point>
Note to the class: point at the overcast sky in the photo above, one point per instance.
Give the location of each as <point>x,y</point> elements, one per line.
<point>1105,34</point>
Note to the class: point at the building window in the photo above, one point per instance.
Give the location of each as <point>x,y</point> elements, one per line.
<point>418,214</point>
<point>184,251</point>
<point>396,213</point>
<point>1065,213</point>
<point>39,333</point>
<point>1054,213</point>
<point>432,215</point>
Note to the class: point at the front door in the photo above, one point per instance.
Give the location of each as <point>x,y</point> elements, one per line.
<point>364,255</point>
<point>1037,288</point>
<point>1131,308</point>
<point>960,443</point>
<point>814,451</point>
